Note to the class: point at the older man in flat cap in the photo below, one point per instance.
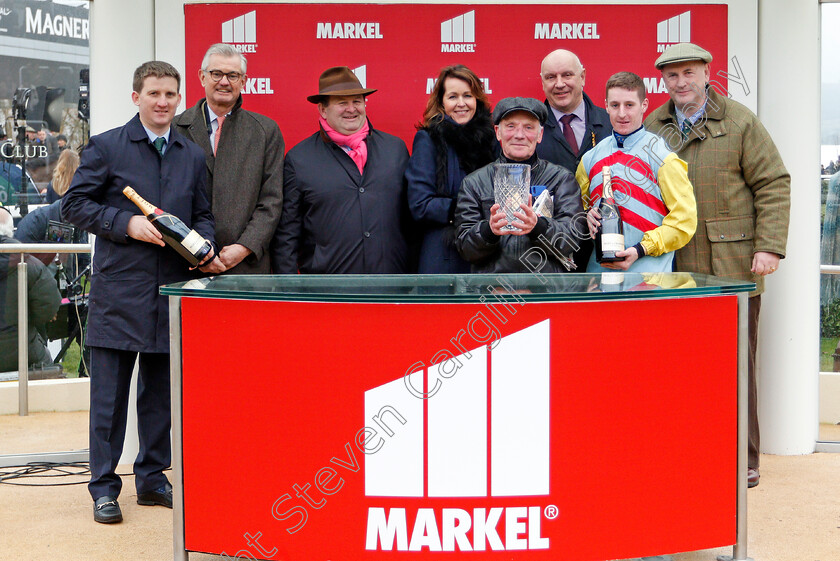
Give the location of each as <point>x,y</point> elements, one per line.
<point>537,243</point>
<point>741,186</point>
<point>344,204</point>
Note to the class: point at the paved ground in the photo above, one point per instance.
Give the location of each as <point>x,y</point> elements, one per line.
<point>794,515</point>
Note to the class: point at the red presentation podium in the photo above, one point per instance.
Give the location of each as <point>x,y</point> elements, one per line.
<point>347,418</point>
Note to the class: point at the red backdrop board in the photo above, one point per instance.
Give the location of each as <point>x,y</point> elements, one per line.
<point>400,48</point>
<point>638,432</point>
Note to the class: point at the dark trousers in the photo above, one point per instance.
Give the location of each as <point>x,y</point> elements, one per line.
<point>752,393</point>
<point>110,379</point>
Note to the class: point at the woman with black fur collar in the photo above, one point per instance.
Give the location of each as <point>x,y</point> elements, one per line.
<point>454,138</point>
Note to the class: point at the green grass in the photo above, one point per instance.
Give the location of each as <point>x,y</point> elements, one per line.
<point>70,364</point>
<point>827,346</point>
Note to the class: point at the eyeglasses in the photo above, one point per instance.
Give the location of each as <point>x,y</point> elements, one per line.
<point>216,75</point>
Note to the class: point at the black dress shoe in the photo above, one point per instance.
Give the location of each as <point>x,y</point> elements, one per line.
<point>106,510</point>
<point>161,496</point>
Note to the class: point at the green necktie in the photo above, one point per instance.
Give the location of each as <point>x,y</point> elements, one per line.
<point>686,127</point>
<point>159,143</point>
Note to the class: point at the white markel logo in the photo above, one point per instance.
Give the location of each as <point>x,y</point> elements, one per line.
<point>461,429</point>
<point>673,30</point>
<point>474,446</point>
<point>348,30</point>
<point>241,32</point>
<point>457,35</point>
<point>655,84</point>
<point>566,31</point>
<point>361,74</point>
<point>459,30</point>
<point>258,86</point>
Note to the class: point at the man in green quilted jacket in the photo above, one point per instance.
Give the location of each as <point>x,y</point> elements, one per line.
<point>741,186</point>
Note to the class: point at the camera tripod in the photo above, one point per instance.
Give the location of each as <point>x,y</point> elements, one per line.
<point>76,325</point>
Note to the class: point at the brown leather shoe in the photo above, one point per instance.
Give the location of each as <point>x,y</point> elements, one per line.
<point>752,477</point>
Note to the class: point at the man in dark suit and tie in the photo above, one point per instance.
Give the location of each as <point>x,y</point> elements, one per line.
<point>575,124</point>
<point>127,315</point>
<point>563,77</point>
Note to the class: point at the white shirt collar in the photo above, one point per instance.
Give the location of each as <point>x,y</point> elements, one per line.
<point>152,136</point>
<point>580,112</point>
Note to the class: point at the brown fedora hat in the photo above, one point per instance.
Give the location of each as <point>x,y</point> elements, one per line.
<point>338,80</point>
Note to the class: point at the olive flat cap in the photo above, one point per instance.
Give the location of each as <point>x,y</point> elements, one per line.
<point>527,104</point>
<point>682,52</point>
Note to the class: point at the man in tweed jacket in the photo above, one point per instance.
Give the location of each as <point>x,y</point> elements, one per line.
<point>244,154</point>
<point>741,186</point>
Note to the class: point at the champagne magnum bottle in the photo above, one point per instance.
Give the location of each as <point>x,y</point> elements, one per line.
<point>609,238</point>
<point>189,243</point>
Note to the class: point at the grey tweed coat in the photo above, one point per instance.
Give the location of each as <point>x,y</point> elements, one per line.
<point>244,180</point>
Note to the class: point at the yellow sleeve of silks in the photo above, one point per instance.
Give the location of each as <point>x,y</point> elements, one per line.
<point>583,180</point>
<point>670,280</point>
<point>680,223</point>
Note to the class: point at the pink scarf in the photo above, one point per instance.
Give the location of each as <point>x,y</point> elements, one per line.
<point>355,141</point>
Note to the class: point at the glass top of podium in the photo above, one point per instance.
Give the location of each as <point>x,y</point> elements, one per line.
<point>457,288</point>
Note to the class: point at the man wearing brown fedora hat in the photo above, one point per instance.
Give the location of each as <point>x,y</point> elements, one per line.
<point>343,190</point>
<point>741,186</point>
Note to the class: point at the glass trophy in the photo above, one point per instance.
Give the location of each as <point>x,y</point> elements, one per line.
<point>511,187</point>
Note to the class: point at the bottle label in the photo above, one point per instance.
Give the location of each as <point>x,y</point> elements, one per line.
<point>193,242</point>
<point>612,242</point>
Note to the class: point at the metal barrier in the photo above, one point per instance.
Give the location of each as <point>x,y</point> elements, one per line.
<point>23,307</point>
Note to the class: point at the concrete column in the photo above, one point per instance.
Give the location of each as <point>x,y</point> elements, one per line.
<point>169,42</point>
<point>122,37</point>
<point>789,106</point>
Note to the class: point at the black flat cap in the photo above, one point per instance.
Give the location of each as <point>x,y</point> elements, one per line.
<point>527,104</point>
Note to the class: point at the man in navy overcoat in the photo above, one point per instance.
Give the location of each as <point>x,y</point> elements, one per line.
<point>127,315</point>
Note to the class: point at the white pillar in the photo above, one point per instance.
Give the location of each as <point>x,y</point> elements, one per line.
<point>169,42</point>
<point>122,37</point>
<point>789,106</point>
